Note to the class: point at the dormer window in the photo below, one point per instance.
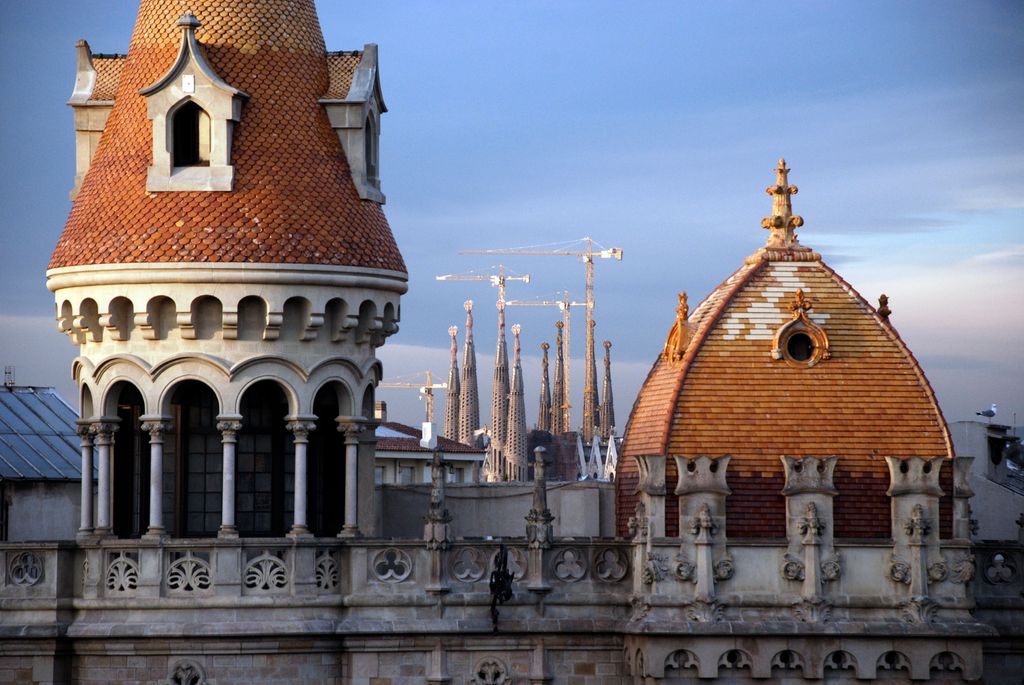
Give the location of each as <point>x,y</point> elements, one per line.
<point>191,133</point>
<point>193,112</point>
<point>800,341</point>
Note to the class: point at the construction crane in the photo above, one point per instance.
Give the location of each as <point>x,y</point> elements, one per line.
<point>426,392</point>
<point>497,280</point>
<point>586,256</point>
<point>565,305</point>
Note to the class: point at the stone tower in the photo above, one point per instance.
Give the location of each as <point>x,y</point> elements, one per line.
<point>591,413</point>
<point>544,406</point>
<point>469,397</point>
<point>607,400</point>
<point>499,401</point>
<point>515,443</point>
<point>227,273</point>
<point>451,403</point>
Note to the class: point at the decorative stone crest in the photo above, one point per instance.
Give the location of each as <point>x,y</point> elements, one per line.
<point>641,607</point>
<point>917,526</point>
<point>655,569</point>
<point>265,572</point>
<point>637,526</point>
<point>919,610</point>
<point>25,569</point>
<point>611,565</point>
<point>705,611</point>
<point>813,610</point>
<point>392,565</point>
<point>724,567</point>
<point>685,570</point>
<point>963,569</point>
<point>122,573</point>
<point>805,475</point>
<point>468,565</point>
<point>1000,570</point>
<point>186,672</point>
<point>490,671</point>
<point>792,567</point>
<point>189,574</point>
<point>328,574</point>
<point>810,526</point>
<point>938,571</point>
<point>899,570</point>
<point>703,522</point>
<point>831,569</point>
<point>569,565</point>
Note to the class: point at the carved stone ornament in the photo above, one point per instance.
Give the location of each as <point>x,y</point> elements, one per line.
<point>490,671</point>
<point>724,568</point>
<point>682,659</point>
<point>703,521</point>
<point>265,573</point>
<point>705,611</point>
<point>919,610</point>
<point>899,570</point>
<point>391,565</point>
<point>782,224</point>
<point>25,568</point>
<point>189,574</point>
<point>840,661</point>
<point>122,573</point>
<point>186,672</point>
<point>963,569</point>
<point>783,345</point>
<point>655,569</point>
<point>792,568</point>
<point>468,565</point>
<point>679,335</point>
<point>813,610</point>
<point>946,661</point>
<point>328,573</point>
<point>569,565</point>
<point>917,526</point>
<point>831,569</point>
<point>611,565</point>
<point>735,659</point>
<point>685,570</point>
<point>938,572</point>
<point>893,661</point>
<point>641,607</point>
<point>637,526</point>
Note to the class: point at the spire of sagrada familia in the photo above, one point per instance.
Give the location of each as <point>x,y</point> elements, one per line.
<point>591,416</point>
<point>515,443</point>
<point>469,399</point>
<point>559,402</point>
<point>499,398</point>
<point>607,402</point>
<point>544,409</point>
<point>451,404</point>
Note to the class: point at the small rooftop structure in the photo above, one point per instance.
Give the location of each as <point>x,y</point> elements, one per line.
<point>38,439</point>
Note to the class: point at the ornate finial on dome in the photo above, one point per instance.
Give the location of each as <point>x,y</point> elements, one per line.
<point>188,21</point>
<point>453,331</point>
<point>883,307</point>
<point>782,223</point>
<point>679,334</point>
<point>515,345</point>
<point>468,305</point>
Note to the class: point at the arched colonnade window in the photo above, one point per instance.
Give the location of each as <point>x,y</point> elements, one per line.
<point>197,472</point>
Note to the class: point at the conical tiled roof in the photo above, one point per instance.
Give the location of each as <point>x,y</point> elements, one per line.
<point>293,200</point>
<point>728,394</point>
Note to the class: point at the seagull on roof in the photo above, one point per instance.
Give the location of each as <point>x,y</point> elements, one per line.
<point>989,413</point>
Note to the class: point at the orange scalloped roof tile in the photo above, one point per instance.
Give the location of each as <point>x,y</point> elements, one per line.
<point>341,66</point>
<point>728,396</point>
<point>108,75</point>
<point>294,200</point>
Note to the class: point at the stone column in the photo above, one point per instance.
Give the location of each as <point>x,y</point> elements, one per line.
<point>914,491</point>
<point>351,427</point>
<point>156,427</point>
<point>962,494</point>
<point>539,533</point>
<point>228,425</point>
<point>85,435</point>
<point>652,493</point>
<point>436,528</point>
<point>104,430</point>
<point>300,428</point>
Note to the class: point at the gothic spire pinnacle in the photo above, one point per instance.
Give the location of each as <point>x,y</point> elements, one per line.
<point>469,399</point>
<point>451,405</point>
<point>607,402</point>
<point>558,393</point>
<point>782,223</point>
<point>499,399</point>
<point>591,413</point>
<point>544,410</point>
<point>515,443</point>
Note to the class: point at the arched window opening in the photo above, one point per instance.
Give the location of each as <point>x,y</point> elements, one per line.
<point>369,404</point>
<point>295,318</point>
<point>265,479</point>
<point>122,317</point>
<point>191,135</point>
<point>207,315</point>
<point>162,316</point>
<point>131,465</point>
<point>326,463</point>
<point>192,480</point>
<point>252,318</point>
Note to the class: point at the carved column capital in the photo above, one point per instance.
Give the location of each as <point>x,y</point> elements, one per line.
<point>83,427</point>
<point>156,427</point>
<point>301,427</point>
<point>352,427</point>
<point>228,425</point>
<point>104,429</point>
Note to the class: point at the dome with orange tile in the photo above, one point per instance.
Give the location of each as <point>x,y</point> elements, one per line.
<point>722,386</point>
<point>293,202</point>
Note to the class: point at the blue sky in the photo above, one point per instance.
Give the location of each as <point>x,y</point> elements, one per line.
<point>652,126</point>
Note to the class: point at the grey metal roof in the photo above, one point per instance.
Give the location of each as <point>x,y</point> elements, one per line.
<point>37,435</point>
